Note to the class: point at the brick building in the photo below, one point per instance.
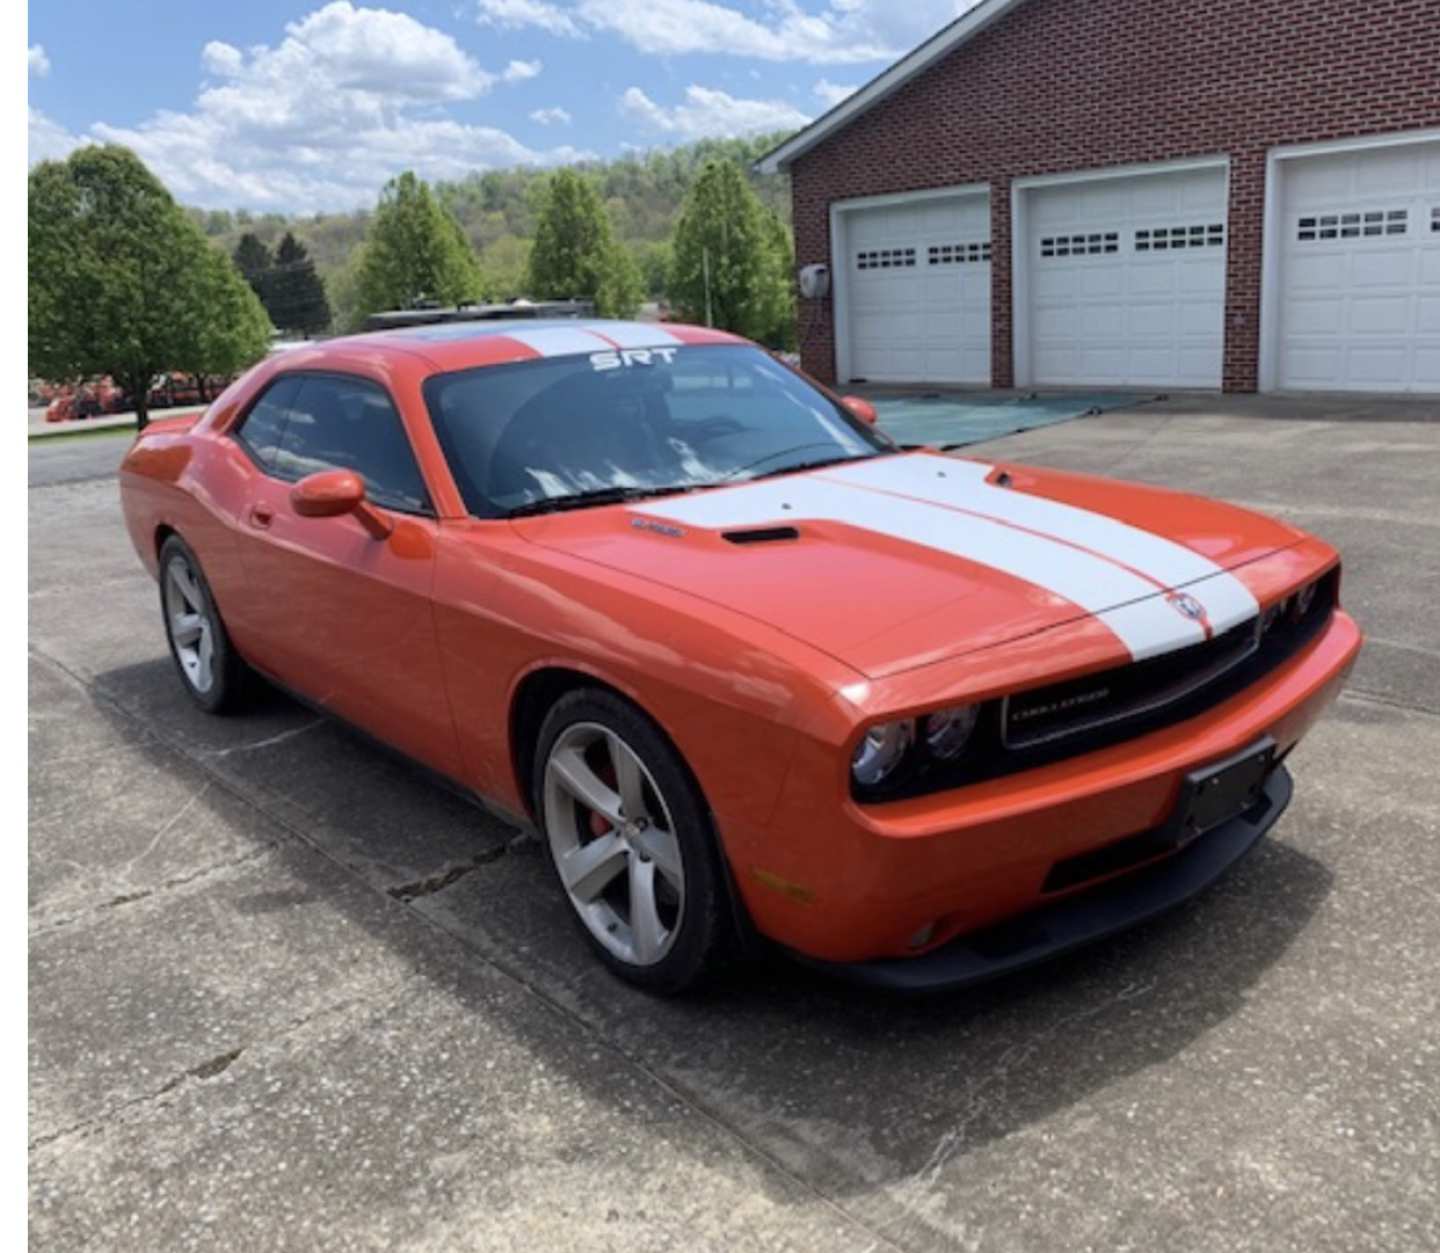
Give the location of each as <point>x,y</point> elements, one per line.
<point>1154,193</point>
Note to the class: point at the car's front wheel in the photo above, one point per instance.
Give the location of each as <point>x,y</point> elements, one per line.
<point>631,841</point>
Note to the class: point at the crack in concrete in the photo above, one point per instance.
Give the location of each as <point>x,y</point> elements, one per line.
<point>141,894</point>
<point>1377,698</point>
<point>453,872</point>
<point>210,1068</point>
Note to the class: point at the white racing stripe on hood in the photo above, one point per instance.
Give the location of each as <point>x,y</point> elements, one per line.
<point>1227,601</point>
<point>1129,605</point>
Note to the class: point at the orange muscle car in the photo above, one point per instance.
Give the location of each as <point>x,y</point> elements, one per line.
<point>752,671</point>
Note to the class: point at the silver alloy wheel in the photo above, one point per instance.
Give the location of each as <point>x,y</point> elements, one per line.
<point>187,617</point>
<point>614,843</point>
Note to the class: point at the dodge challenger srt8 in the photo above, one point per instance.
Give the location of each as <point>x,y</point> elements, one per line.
<point>752,671</point>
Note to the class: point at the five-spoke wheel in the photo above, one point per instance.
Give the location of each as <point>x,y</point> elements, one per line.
<point>630,839</point>
<point>614,844</point>
<point>188,616</point>
<point>212,672</point>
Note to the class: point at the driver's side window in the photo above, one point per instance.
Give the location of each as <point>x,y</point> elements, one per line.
<point>307,423</point>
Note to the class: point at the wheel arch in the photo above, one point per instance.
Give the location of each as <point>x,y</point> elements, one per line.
<point>532,699</point>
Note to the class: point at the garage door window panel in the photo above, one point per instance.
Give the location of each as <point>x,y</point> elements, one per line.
<point>1176,238</point>
<point>959,254</point>
<point>1370,224</point>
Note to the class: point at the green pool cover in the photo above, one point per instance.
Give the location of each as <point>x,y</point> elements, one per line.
<point>960,419</point>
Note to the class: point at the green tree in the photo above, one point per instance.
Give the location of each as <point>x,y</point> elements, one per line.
<point>236,331</point>
<point>294,296</point>
<point>780,286</point>
<point>654,258</point>
<point>254,261</point>
<point>506,266</point>
<point>575,255</point>
<point>728,263</point>
<point>118,274</point>
<point>415,250</point>
<point>342,288</point>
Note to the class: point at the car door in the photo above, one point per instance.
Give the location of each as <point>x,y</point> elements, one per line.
<point>340,616</point>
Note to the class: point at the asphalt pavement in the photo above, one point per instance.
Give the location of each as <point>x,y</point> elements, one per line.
<point>286,994</point>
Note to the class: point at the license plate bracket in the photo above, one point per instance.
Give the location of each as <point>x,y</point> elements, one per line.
<point>1215,794</point>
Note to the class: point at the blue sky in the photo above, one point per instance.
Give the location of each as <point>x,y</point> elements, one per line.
<point>303,105</point>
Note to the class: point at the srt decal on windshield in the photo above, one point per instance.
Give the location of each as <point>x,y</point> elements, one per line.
<point>625,357</point>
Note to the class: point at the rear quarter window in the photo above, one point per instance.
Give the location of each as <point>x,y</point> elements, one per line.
<point>263,429</point>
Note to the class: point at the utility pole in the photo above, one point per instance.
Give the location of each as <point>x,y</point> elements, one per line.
<point>709,316</point>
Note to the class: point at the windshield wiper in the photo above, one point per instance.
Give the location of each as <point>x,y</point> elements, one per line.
<point>594,499</point>
<point>819,463</point>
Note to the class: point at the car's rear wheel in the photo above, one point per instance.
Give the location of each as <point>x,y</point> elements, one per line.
<point>631,841</point>
<point>210,669</point>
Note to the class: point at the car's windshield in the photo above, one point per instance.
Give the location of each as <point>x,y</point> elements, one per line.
<point>613,424</point>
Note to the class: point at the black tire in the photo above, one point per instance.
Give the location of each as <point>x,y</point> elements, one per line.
<point>700,937</point>
<point>229,678</point>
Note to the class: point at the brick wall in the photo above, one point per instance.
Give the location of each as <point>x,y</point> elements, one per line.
<point>1061,85</point>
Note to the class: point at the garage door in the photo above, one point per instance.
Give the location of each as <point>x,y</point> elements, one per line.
<point>1127,280</point>
<point>918,291</point>
<point>1359,299</point>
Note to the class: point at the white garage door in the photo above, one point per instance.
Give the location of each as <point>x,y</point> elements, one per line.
<point>1127,280</point>
<point>918,291</point>
<point>1360,271</point>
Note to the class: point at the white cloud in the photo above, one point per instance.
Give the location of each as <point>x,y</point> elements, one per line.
<point>552,117</point>
<point>708,112</point>
<point>222,59</point>
<point>350,97</point>
<point>831,94</point>
<point>519,71</point>
<point>36,61</point>
<point>509,14</point>
<point>48,140</point>
<point>837,32</point>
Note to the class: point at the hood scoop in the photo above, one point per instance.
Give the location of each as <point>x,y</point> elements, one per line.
<point>762,535</point>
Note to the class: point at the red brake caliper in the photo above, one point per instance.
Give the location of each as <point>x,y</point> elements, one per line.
<point>599,824</point>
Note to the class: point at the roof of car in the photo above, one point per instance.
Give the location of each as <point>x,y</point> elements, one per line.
<point>464,345</point>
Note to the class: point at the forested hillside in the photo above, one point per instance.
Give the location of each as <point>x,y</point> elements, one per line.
<point>498,209</point>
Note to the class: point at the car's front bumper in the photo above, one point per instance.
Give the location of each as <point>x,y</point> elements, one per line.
<point>896,882</point>
<point>1078,920</point>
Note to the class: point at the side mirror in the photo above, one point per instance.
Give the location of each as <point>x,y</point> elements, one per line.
<point>861,408</point>
<point>333,493</point>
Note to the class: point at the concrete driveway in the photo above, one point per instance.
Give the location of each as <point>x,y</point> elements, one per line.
<point>285,994</point>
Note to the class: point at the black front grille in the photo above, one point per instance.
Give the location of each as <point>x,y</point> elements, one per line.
<point>1064,709</point>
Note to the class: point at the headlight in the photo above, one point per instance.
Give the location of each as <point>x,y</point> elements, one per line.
<point>881,752</point>
<point>1305,598</point>
<point>947,731</point>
